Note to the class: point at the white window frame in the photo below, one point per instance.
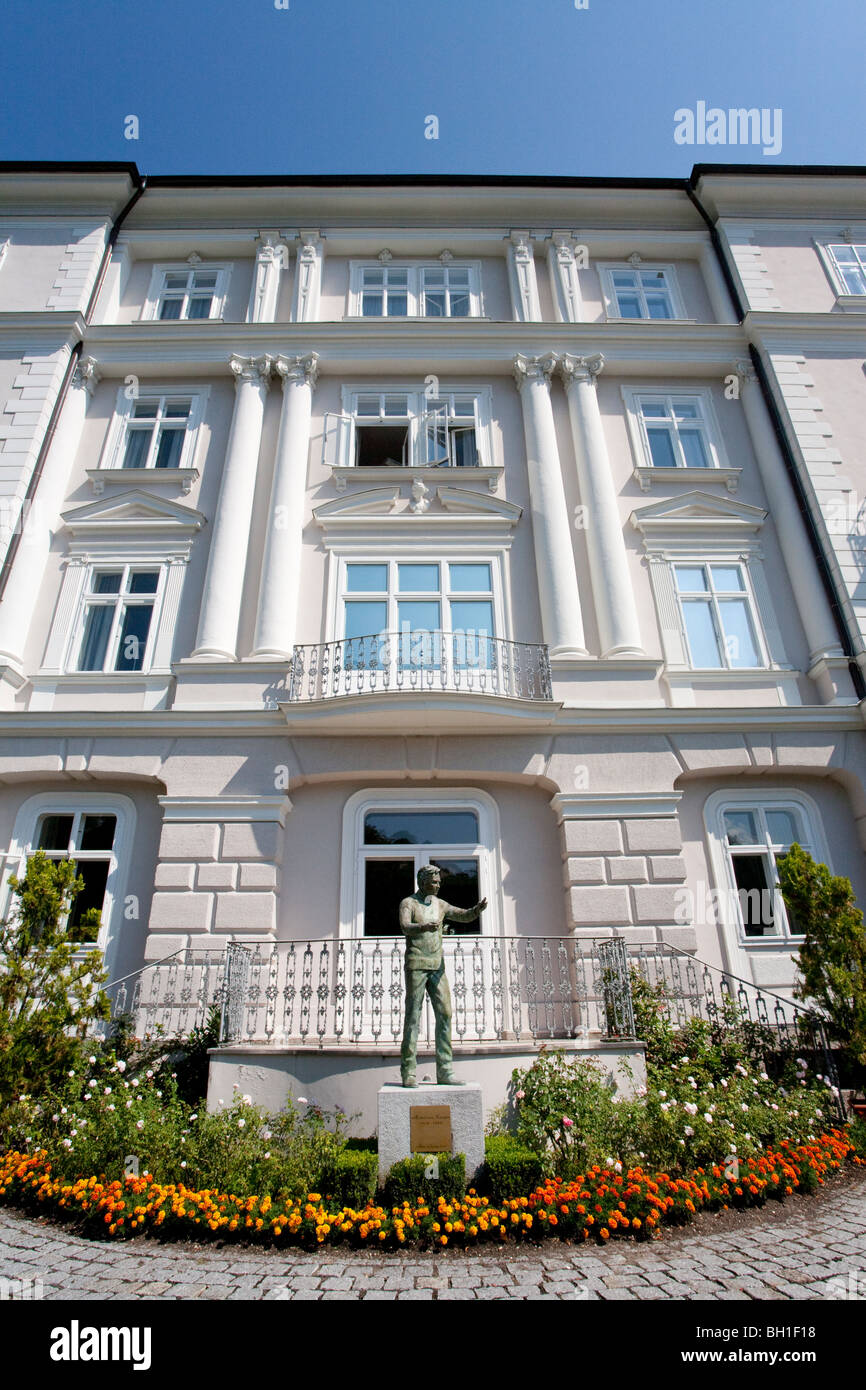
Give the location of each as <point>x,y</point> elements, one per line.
<point>27,820</point>
<point>740,948</point>
<point>825,245</point>
<point>701,529</point>
<point>719,468</point>
<point>669,270</point>
<point>443,596</point>
<point>355,852</point>
<point>156,290</point>
<point>414,288</point>
<point>392,556</point>
<point>339,431</point>
<point>134,529</point>
<point>710,599</point>
<point>4,247</point>
<point>111,459</point>
<point>157,599</point>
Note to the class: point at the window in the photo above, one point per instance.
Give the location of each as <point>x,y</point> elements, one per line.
<point>157,430</point>
<point>405,429</point>
<point>388,835</point>
<point>381,430</point>
<point>88,839</point>
<point>449,435</point>
<point>94,829</point>
<point>717,614</point>
<point>411,290</point>
<point>748,832</point>
<point>441,612</point>
<point>849,266</point>
<point>641,292</point>
<point>384,292</point>
<point>398,842</point>
<point>446,292</point>
<point>117,617</point>
<point>674,431</point>
<point>156,433</point>
<point>187,291</point>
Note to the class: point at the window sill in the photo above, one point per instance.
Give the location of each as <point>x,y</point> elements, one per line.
<point>415,318</point>
<point>119,677</point>
<point>173,323</point>
<point>615,318</point>
<point>708,674</point>
<point>342,475</point>
<point>851,303</point>
<point>100,478</point>
<point>646,475</point>
<point>786,943</point>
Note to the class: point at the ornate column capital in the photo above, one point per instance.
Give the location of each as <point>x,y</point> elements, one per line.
<point>745,370</point>
<point>520,241</point>
<point>533,368</point>
<point>310,245</point>
<point>581,368</point>
<point>271,247</point>
<point>564,245</point>
<point>86,374</point>
<point>254,369</point>
<point>298,368</point>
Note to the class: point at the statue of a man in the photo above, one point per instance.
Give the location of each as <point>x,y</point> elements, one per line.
<point>422,918</point>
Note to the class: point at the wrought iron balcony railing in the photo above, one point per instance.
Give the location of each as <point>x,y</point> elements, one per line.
<point>455,662</point>
<point>350,991</point>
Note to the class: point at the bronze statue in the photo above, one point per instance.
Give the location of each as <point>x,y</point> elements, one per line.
<point>422,918</point>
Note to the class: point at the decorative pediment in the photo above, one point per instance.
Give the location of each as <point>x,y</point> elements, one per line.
<point>480,504</point>
<point>374,501</point>
<point>697,515</point>
<point>135,514</point>
<point>416,512</point>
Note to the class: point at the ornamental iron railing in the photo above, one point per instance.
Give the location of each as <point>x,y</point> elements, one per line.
<point>350,991</point>
<point>454,662</point>
<point>687,988</point>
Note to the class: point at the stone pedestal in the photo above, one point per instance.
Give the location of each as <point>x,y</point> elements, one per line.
<point>467,1121</point>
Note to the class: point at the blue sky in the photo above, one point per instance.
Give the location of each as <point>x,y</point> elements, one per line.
<point>344,86</point>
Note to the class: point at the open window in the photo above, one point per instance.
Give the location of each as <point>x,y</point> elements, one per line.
<point>406,429</point>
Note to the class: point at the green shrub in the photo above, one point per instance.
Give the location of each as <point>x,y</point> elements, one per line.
<point>510,1169</point>
<point>566,1111</point>
<point>857,1134</point>
<point>406,1182</point>
<point>49,995</point>
<point>351,1178</point>
<point>832,958</point>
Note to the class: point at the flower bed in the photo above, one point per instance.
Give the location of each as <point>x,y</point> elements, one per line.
<point>601,1204</point>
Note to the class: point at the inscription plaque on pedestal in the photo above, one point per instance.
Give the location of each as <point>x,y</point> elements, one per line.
<point>430,1129</point>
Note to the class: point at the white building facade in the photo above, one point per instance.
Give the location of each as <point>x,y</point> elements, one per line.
<point>387,522</point>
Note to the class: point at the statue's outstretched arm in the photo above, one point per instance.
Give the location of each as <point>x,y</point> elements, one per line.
<point>464,914</point>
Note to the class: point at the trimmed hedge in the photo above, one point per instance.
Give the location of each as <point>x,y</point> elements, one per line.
<point>351,1180</point>
<point>406,1182</point>
<point>509,1167</point>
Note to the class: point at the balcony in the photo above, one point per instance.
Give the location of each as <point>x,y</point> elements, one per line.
<point>349,991</point>
<point>422,663</point>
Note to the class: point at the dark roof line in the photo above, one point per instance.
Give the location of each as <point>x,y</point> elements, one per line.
<point>64,166</point>
<point>10,166</point>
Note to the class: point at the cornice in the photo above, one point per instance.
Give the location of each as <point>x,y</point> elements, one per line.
<point>844,330</point>
<point>21,327</point>
<point>644,347</point>
<point>62,724</point>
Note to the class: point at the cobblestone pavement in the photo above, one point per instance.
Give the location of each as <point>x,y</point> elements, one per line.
<point>806,1250</point>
